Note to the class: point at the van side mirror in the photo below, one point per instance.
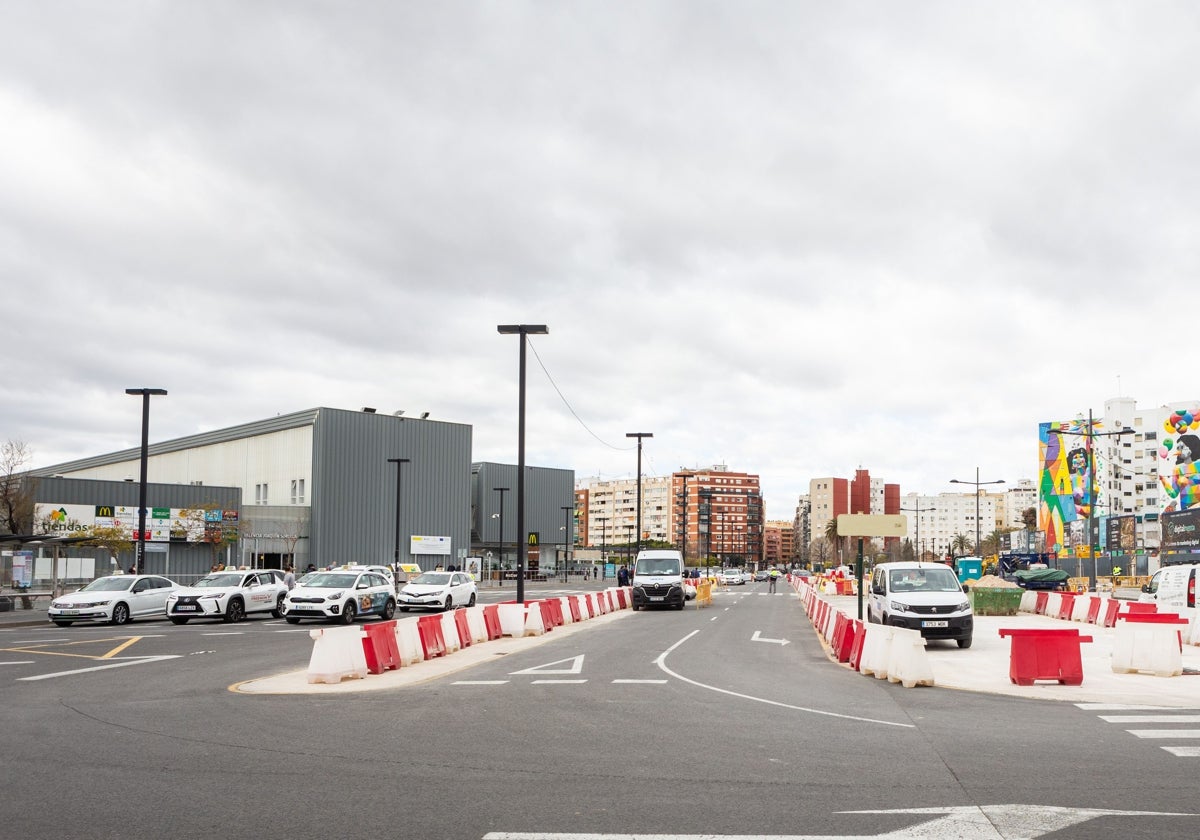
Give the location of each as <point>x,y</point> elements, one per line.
<point>1146,588</point>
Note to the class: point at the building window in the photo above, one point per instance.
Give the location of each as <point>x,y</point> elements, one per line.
<point>260,494</point>
<point>297,491</point>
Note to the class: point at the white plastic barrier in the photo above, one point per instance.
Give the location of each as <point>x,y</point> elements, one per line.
<point>1028,601</point>
<point>408,640</point>
<point>564,604</point>
<point>534,624</point>
<point>908,662</point>
<point>477,624</point>
<point>829,588</point>
<point>1147,647</point>
<point>1053,604</point>
<point>1192,636</point>
<point>1083,603</point>
<point>830,623</point>
<point>450,632</point>
<point>512,619</point>
<point>876,650</point>
<point>337,654</point>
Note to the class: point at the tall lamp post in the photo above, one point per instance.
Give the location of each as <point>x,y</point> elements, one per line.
<point>522,330</point>
<point>603,520</point>
<point>139,562</point>
<point>977,484</point>
<point>500,571</point>
<point>918,510</point>
<point>639,436</point>
<point>399,462</point>
<point>568,536</point>
<point>1089,433</point>
<point>685,518</point>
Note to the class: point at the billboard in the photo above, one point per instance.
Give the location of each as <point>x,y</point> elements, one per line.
<point>162,524</point>
<point>1068,486</point>
<point>1179,454</point>
<point>1181,531</point>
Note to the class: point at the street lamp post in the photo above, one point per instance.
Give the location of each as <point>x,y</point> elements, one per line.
<point>978,484</point>
<point>500,571</point>
<point>139,562</point>
<point>918,511</point>
<point>603,520</point>
<point>399,462</point>
<point>639,436</point>
<point>1089,434</point>
<point>522,330</point>
<point>685,518</point>
<point>568,536</point>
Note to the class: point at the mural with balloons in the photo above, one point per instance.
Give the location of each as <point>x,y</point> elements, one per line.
<point>1180,454</point>
<point>1068,486</point>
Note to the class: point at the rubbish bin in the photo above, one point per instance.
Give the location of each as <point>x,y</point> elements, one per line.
<point>995,600</point>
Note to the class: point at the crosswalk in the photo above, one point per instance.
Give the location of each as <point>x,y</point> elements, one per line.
<point>1154,723</point>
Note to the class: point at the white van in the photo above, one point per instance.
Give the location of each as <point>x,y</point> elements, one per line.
<point>1172,588</point>
<point>921,596</point>
<point>658,579</point>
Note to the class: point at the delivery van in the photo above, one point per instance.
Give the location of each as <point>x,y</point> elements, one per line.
<point>1172,588</point>
<point>658,579</point>
<point>921,596</point>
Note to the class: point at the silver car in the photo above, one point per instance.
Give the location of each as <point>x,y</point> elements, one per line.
<point>438,591</point>
<point>116,599</point>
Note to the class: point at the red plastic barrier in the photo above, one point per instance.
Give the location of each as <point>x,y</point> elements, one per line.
<point>621,604</point>
<point>429,628</point>
<point>1110,612</point>
<point>380,648</point>
<point>1045,655</point>
<point>576,613</point>
<point>1093,609</point>
<point>1040,606</point>
<point>463,628</point>
<point>843,644</point>
<point>1067,607</point>
<point>856,648</point>
<point>547,609</point>
<point>839,627</point>
<point>491,620</point>
<point>1139,607</point>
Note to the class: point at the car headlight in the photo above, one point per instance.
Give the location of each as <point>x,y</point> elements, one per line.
<point>896,606</point>
<point>333,596</point>
<point>213,596</point>
<point>964,605</point>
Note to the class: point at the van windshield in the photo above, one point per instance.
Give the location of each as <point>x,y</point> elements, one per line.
<point>940,579</point>
<point>657,566</point>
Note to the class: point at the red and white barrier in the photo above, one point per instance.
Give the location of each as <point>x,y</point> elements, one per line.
<point>408,639</point>
<point>477,624</point>
<point>450,632</point>
<point>1028,601</point>
<point>337,654</point>
<point>908,661</point>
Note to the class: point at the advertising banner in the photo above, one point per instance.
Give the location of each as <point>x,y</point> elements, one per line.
<point>429,545</point>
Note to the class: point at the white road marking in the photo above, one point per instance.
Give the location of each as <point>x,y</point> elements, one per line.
<point>480,682</point>
<point>576,667</point>
<point>1123,707</point>
<point>757,637</point>
<point>230,633</point>
<point>641,682</point>
<point>139,661</point>
<point>1184,752</point>
<point>661,662</point>
<point>1181,734</point>
<point>558,682</point>
<point>1150,718</point>
<point>987,822</point>
<point>19,662</point>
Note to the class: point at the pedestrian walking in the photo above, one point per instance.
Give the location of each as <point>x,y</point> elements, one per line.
<point>289,577</point>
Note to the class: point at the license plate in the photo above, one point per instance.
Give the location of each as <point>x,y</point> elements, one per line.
<point>935,623</point>
<point>186,608</point>
<point>70,612</point>
<point>658,597</point>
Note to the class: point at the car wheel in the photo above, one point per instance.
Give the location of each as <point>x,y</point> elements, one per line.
<point>236,610</point>
<point>278,611</point>
<point>471,603</point>
<point>349,611</point>
<point>389,609</point>
<point>63,623</point>
<point>177,620</point>
<point>291,620</point>
<point>120,614</point>
<point>633,605</point>
<point>964,643</point>
<point>449,603</point>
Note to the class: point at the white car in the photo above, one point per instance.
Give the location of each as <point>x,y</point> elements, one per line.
<point>341,595</point>
<point>230,595</point>
<point>116,599</point>
<point>732,577</point>
<point>385,571</point>
<point>438,591</point>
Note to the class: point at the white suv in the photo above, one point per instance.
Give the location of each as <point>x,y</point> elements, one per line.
<point>230,595</point>
<point>921,596</point>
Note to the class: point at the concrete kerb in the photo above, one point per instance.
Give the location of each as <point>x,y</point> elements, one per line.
<point>295,682</point>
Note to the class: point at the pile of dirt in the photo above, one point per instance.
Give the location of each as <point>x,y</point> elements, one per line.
<point>992,582</point>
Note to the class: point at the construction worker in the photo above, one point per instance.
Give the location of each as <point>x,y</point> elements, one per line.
<point>1116,571</point>
<point>772,579</point>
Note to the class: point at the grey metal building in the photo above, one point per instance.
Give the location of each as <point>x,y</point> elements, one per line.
<point>549,514</point>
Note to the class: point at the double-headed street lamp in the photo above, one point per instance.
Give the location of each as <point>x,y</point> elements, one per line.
<point>500,516</point>
<point>918,510</point>
<point>139,562</point>
<point>568,536</point>
<point>521,330</point>
<point>978,484</point>
<point>399,462</point>
<point>639,436</point>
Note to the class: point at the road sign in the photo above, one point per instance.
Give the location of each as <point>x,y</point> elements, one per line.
<point>872,525</point>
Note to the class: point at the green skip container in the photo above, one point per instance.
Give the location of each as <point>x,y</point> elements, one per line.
<point>1002,601</point>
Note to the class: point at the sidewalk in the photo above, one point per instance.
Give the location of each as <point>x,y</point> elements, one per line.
<point>984,666</point>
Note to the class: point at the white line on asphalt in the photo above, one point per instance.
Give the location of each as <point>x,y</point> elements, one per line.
<point>1150,718</point>
<point>1181,734</point>
<point>661,662</point>
<point>231,633</point>
<point>558,682</point>
<point>641,682</point>
<point>1184,752</point>
<point>480,682</point>
<point>140,661</point>
<point>302,630</point>
<point>1123,707</point>
<point>19,662</point>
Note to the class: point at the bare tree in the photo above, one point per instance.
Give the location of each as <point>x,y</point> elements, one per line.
<point>16,489</point>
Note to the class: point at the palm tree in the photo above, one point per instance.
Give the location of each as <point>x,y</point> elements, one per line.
<point>831,534</point>
<point>960,545</point>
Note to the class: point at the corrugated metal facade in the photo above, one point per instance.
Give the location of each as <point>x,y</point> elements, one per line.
<point>547,492</point>
<point>354,487</point>
<point>181,560</point>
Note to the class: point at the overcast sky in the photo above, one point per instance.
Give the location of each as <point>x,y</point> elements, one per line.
<point>794,238</point>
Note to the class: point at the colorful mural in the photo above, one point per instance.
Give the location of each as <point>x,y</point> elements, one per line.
<point>1180,454</point>
<point>1068,486</point>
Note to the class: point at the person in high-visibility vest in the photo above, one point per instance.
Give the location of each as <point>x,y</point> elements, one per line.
<point>1116,571</point>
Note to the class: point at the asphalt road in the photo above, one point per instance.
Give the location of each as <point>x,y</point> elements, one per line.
<point>700,723</point>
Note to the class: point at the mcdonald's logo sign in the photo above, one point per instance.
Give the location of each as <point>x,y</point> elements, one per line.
<point>106,511</point>
<point>533,538</point>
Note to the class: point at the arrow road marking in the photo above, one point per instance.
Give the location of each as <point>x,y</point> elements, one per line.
<point>758,638</point>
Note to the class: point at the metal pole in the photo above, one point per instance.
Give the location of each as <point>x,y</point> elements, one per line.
<point>639,436</point>
<point>500,571</point>
<point>567,537</point>
<point>139,562</point>
<point>399,462</point>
